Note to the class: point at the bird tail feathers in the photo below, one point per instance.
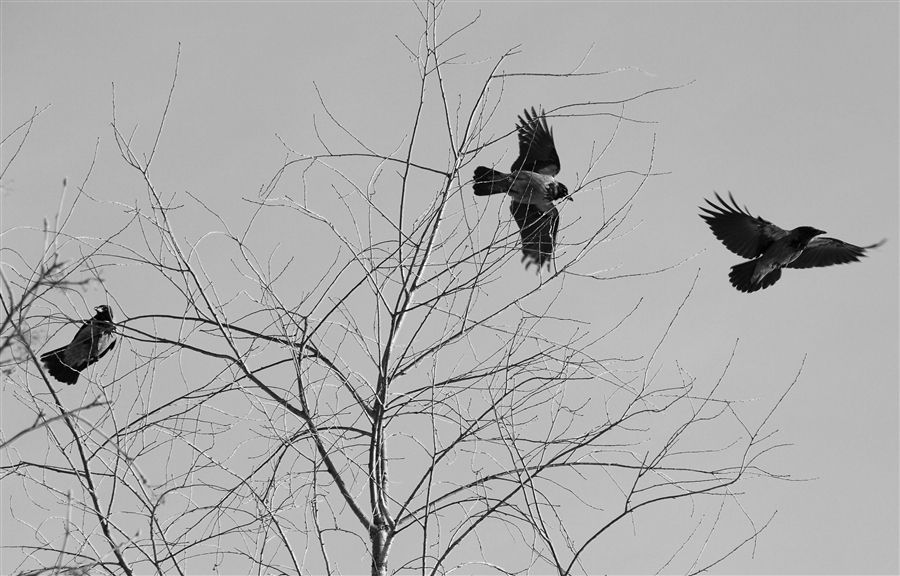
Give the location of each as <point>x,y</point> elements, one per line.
<point>55,364</point>
<point>741,277</point>
<point>489,182</point>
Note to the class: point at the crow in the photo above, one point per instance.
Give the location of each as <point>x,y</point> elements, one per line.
<point>532,187</point>
<point>772,248</point>
<point>94,339</point>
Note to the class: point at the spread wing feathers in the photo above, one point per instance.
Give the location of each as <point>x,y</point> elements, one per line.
<point>827,251</point>
<point>489,181</point>
<point>538,230</point>
<point>745,235</point>
<point>537,153</point>
<point>741,277</point>
<point>93,341</point>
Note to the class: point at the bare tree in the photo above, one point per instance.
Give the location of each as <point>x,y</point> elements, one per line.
<point>374,386</point>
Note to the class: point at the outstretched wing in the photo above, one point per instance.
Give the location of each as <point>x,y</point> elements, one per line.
<point>537,152</point>
<point>538,230</point>
<point>745,235</point>
<point>828,251</point>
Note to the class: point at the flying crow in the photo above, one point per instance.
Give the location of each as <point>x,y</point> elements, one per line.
<point>532,187</point>
<point>771,248</point>
<point>94,339</point>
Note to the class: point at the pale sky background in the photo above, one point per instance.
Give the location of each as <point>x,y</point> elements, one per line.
<point>793,107</point>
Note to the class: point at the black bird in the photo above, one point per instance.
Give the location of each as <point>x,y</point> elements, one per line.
<point>532,186</point>
<point>94,339</point>
<point>772,248</point>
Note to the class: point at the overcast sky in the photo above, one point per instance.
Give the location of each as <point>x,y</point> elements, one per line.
<point>792,107</point>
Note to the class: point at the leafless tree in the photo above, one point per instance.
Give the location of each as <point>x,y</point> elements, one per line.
<point>372,384</point>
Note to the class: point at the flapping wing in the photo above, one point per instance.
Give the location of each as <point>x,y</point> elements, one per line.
<point>538,230</point>
<point>745,235</point>
<point>828,251</point>
<point>537,152</point>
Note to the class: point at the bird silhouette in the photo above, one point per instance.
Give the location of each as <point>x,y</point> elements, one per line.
<point>771,248</point>
<point>94,339</point>
<point>532,187</point>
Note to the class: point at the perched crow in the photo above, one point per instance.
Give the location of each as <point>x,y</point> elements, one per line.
<point>772,248</point>
<point>532,187</point>
<point>94,339</point>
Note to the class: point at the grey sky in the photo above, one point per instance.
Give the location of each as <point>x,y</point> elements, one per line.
<point>793,107</point>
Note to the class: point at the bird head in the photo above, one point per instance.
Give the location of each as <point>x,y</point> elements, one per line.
<point>104,312</point>
<point>807,233</point>
<point>562,191</point>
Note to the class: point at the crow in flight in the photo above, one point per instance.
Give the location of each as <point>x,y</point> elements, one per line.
<point>532,187</point>
<point>94,339</point>
<point>772,248</point>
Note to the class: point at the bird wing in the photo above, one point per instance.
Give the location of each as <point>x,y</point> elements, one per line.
<point>828,251</point>
<point>742,233</point>
<point>537,152</point>
<point>538,230</point>
<point>75,356</point>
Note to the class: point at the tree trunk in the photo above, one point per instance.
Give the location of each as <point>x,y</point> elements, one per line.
<point>380,547</point>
